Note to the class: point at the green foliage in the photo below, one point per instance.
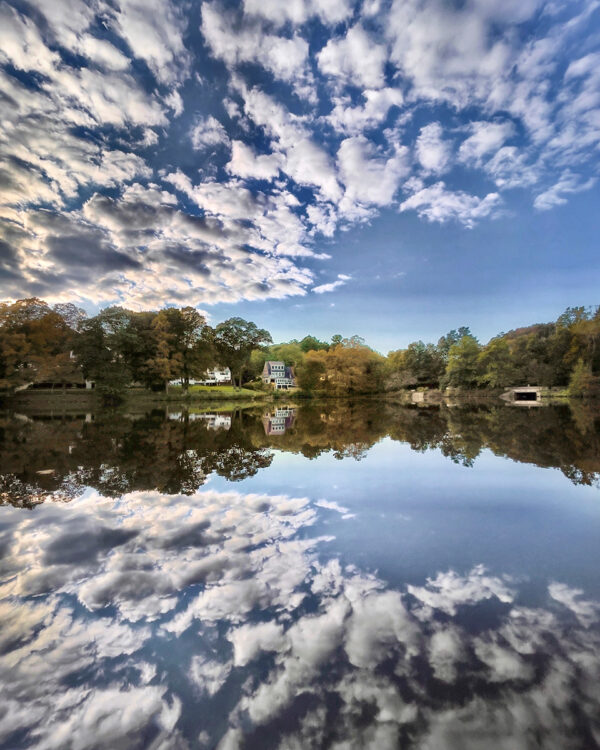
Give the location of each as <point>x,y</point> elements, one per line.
<point>311,373</point>
<point>118,347</point>
<point>462,370</point>
<point>234,340</point>
<point>99,353</point>
<point>418,364</point>
<point>495,365</point>
<point>310,343</point>
<point>583,384</point>
<point>451,338</point>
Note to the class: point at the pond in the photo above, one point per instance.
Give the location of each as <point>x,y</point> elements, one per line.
<point>318,575</point>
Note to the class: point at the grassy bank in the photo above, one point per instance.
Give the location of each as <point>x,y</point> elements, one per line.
<point>82,399</point>
<point>196,393</point>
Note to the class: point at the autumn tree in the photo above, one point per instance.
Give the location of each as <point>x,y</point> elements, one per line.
<point>234,340</point>
<point>342,370</point>
<point>36,341</point>
<point>181,347</point>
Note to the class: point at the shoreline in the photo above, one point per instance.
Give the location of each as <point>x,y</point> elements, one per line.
<point>139,398</point>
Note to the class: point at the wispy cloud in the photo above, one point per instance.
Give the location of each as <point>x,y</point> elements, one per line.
<point>340,281</point>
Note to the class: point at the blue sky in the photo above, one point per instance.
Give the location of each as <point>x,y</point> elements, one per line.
<point>388,168</point>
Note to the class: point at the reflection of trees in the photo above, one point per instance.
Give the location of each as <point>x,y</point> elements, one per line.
<point>561,437</point>
<point>236,463</point>
<point>346,428</point>
<point>118,454</point>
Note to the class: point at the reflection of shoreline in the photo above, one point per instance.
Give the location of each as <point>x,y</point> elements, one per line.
<point>49,455</point>
<point>177,606</point>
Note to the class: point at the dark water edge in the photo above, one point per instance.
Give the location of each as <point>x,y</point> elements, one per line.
<point>175,448</point>
<point>339,574</point>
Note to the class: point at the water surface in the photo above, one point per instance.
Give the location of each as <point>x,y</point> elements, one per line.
<point>333,575</point>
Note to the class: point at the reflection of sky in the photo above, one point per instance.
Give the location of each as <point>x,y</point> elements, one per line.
<point>384,602</point>
<point>418,511</point>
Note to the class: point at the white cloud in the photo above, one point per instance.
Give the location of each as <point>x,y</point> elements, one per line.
<point>103,53</point>
<point>154,30</point>
<point>323,218</point>
<point>208,132</point>
<point>486,138</point>
<point>449,590</point>
<point>249,640</point>
<point>445,651</point>
<point>519,85</point>
<point>355,59</point>
<point>322,288</point>
<point>208,675</point>
<point>354,120</point>
<point>503,663</point>
<point>299,11</point>
<point>142,245</point>
<point>369,177</point>
<point>586,611</point>
<point>436,203</point>
<point>433,152</point>
<point>357,662</point>
<point>286,58</point>
<point>567,184</point>
<point>509,168</point>
<point>449,53</point>
<point>245,163</point>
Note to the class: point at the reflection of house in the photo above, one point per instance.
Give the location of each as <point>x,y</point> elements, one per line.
<point>213,421</point>
<point>279,374</point>
<point>277,422</point>
<point>217,421</point>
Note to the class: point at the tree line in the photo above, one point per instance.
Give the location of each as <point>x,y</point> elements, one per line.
<point>60,344</point>
<point>563,354</point>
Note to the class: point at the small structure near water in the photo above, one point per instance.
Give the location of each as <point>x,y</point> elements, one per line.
<point>525,395</point>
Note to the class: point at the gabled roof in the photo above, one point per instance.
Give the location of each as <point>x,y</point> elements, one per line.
<point>287,371</point>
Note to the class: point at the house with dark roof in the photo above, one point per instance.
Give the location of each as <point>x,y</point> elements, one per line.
<point>279,375</point>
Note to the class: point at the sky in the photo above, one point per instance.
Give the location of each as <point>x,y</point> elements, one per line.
<point>386,168</point>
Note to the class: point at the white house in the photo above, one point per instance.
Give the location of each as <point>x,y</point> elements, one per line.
<point>213,376</point>
<point>277,373</point>
<point>216,376</point>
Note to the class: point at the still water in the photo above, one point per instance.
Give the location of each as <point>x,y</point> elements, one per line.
<point>330,575</point>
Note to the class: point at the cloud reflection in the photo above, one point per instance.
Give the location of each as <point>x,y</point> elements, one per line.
<point>217,619</point>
